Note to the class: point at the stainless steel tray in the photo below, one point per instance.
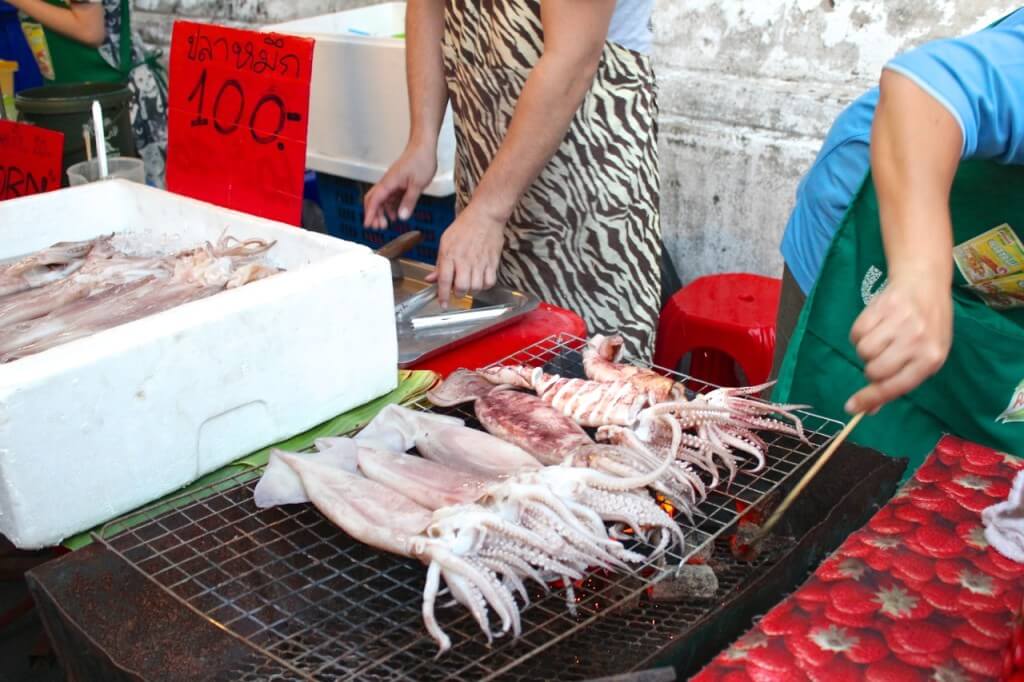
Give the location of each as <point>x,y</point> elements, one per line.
<point>417,345</point>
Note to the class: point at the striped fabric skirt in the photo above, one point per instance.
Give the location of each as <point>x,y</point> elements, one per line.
<point>586,236</point>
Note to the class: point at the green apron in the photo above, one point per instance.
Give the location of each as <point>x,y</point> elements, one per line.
<point>74,62</point>
<point>986,362</point>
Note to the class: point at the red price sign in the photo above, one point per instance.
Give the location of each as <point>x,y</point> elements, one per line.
<point>30,159</point>
<point>238,115</point>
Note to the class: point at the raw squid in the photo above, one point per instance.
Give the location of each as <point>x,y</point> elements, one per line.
<point>425,482</point>
<point>484,537</point>
<point>467,452</point>
<point>589,403</point>
<point>719,425</point>
<point>723,422</point>
<point>43,267</point>
<point>119,305</point>
<point>468,546</point>
<point>281,485</point>
<point>601,363</point>
<point>109,288</point>
<point>447,441</point>
<point>546,433</point>
<point>380,517</point>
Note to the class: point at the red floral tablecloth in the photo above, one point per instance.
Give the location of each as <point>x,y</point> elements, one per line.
<point>917,594</point>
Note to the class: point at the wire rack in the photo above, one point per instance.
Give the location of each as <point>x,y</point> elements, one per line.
<point>315,605</point>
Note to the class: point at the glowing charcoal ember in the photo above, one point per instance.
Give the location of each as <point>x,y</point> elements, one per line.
<point>689,581</point>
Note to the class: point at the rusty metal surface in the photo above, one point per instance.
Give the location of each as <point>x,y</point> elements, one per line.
<point>106,622</point>
<point>109,623</point>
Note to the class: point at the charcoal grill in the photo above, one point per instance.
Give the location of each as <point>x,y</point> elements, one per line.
<point>313,604</point>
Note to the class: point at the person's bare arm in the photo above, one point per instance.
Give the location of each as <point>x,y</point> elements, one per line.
<point>83,22</point>
<point>905,334</point>
<point>397,192</point>
<point>575,32</point>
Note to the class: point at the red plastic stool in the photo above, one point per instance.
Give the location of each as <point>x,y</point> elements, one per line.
<point>721,318</point>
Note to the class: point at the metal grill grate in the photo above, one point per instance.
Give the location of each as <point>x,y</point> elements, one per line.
<point>317,605</point>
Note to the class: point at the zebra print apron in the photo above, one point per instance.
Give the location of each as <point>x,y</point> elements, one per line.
<point>586,236</point>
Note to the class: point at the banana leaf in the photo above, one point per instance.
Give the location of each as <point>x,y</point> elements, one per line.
<point>411,386</point>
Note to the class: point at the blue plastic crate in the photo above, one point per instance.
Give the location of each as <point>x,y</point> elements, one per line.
<point>342,202</point>
<point>14,48</point>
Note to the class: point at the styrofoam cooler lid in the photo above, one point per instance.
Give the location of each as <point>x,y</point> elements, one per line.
<point>382,21</point>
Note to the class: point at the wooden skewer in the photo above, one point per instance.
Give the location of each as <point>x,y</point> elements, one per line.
<point>811,473</point>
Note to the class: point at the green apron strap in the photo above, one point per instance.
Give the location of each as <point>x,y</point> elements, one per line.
<point>125,55</point>
<point>782,391</point>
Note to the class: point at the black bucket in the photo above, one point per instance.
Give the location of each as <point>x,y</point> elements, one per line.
<point>68,108</point>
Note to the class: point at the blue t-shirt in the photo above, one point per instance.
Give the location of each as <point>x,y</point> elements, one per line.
<point>979,79</point>
<point>631,25</point>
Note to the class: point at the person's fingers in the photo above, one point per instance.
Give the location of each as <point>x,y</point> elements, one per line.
<point>391,206</point>
<point>431,277</point>
<point>463,279</point>
<point>444,274</point>
<point>490,277</point>
<point>868,400</point>
<point>408,203</point>
<point>889,361</point>
<point>868,320</point>
<point>371,207</point>
<point>874,396</point>
<point>875,342</point>
<point>476,281</point>
<point>375,203</point>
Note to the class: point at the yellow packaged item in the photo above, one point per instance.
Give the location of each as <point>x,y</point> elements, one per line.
<point>1003,293</point>
<point>36,38</point>
<point>992,255</point>
<point>7,71</point>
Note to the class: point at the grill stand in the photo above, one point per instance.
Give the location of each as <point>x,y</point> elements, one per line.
<point>109,622</point>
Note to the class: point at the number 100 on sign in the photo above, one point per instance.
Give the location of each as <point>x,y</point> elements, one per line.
<point>231,110</point>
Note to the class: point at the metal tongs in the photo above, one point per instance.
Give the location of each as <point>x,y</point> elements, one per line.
<point>455,317</point>
<point>415,302</point>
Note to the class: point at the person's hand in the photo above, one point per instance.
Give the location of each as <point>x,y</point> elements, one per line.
<point>903,337</point>
<point>470,251</point>
<point>395,196</point>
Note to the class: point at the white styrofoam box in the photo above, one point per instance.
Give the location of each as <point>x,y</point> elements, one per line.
<point>99,426</point>
<point>358,102</point>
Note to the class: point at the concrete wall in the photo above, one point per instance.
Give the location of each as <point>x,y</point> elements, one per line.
<point>748,90</point>
<point>155,17</point>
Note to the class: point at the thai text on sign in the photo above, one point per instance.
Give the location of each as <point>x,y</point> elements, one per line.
<point>238,115</point>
